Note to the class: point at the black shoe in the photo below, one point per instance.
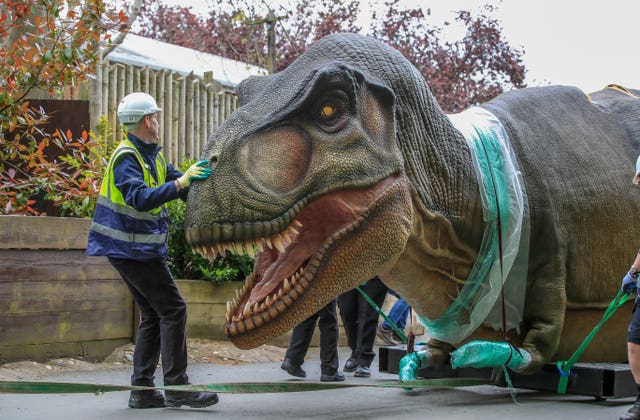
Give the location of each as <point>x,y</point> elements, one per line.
<point>350,364</point>
<point>293,369</point>
<point>338,377</point>
<point>191,399</point>
<point>633,413</point>
<point>362,372</point>
<point>143,398</point>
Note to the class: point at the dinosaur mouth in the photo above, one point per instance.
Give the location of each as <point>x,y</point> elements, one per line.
<point>287,264</point>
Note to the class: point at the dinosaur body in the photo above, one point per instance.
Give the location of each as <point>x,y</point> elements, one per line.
<point>343,166</point>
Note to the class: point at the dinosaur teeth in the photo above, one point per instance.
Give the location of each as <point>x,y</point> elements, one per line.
<point>286,286</point>
<point>246,312</point>
<point>276,240</point>
<point>297,223</point>
<point>248,247</point>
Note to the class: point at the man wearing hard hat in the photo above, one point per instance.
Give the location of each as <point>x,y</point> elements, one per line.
<point>630,285</point>
<point>130,226</point>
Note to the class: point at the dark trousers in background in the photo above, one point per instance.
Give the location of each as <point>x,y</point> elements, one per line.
<point>303,333</point>
<point>360,319</point>
<point>162,330</point>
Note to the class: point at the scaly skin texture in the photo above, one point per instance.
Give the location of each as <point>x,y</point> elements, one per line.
<point>343,166</point>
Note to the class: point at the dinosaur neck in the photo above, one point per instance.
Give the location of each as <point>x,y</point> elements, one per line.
<point>437,158</point>
<point>435,263</point>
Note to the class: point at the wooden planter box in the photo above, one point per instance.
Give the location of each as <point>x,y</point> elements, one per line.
<point>57,302</point>
<point>54,300</point>
<point>206,306</point>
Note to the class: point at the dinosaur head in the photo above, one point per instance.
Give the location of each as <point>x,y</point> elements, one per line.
<point>308,176</point>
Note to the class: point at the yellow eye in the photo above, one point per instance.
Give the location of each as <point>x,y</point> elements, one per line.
<point>327,111</point>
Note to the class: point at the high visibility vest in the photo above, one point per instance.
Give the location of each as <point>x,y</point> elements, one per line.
<point>119,230</point>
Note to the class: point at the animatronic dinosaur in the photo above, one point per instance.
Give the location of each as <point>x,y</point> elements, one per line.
<point>343,166</point>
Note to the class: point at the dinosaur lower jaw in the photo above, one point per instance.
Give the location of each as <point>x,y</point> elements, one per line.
<point>351,245</point>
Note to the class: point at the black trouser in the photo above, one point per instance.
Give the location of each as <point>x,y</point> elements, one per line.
<point>303,332</point>
<point>360,319</point>
<point>163,321</point>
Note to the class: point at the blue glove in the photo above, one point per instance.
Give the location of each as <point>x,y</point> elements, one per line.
<point>630,282</point>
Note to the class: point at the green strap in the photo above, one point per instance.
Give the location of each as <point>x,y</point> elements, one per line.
<point>19,387</point>
<point>386,318</point>
<point>565,367</point>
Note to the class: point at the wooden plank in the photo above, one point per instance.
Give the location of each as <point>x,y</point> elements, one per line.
<point>66,295</point>
<point>53,265</point>
<point>58,327</point>
<point>27,232</point>
<point>203,291</point>
<point>92,351</point>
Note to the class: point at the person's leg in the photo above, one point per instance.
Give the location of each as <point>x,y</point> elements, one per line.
<point>298,346</point>
<point>633,352</point>
<point>328,325</point>
<point>301,336</point>
<point>368,321</point>
<point>347,302</point>
<point>167,301</point>
<point>147,346</point>
<point>398,315</point>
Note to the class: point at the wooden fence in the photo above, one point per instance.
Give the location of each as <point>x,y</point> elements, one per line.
<point>193,107</point>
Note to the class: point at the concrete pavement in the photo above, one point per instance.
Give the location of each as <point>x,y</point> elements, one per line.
<point>477,402</point>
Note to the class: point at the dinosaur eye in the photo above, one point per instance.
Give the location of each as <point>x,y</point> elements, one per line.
<point>327,111</point>
<point>331,111</point>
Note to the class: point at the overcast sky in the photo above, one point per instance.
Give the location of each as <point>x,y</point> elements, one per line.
<point>584,43</point>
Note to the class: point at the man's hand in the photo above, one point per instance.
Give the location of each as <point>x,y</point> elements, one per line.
<point>630,282</point>
<point>196,171</point>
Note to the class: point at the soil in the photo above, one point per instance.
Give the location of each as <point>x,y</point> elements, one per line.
<point>199,351</point>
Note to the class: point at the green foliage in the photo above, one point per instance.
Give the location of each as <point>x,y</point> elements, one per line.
<point>47,45</point>
<point>69,183</point>
<point>184,263</point>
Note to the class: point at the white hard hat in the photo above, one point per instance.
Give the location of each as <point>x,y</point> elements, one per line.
<point>636,177</point>
<point>136,105</point>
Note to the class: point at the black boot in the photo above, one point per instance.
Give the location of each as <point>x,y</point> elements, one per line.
<point>143,398</point>
<point>350,365</point>
<point>337,377</point>
<point>633,413</point>
<point>293,368</point>
<point>191,399</point>
<point>362,372</point>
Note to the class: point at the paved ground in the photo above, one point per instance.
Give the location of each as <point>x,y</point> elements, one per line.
<point>477,402</point>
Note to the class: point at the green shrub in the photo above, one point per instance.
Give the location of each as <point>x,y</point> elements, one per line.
<point>34,183</point>
<point>185,264</point>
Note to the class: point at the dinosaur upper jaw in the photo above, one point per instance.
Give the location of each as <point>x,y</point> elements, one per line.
<point>362,233</point>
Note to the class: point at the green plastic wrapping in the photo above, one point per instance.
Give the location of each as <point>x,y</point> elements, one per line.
<point>410,365</point>
<point>503,198</point>
<point>489,354</point>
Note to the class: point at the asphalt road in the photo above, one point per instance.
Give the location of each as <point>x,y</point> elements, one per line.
<point>475,402</point>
